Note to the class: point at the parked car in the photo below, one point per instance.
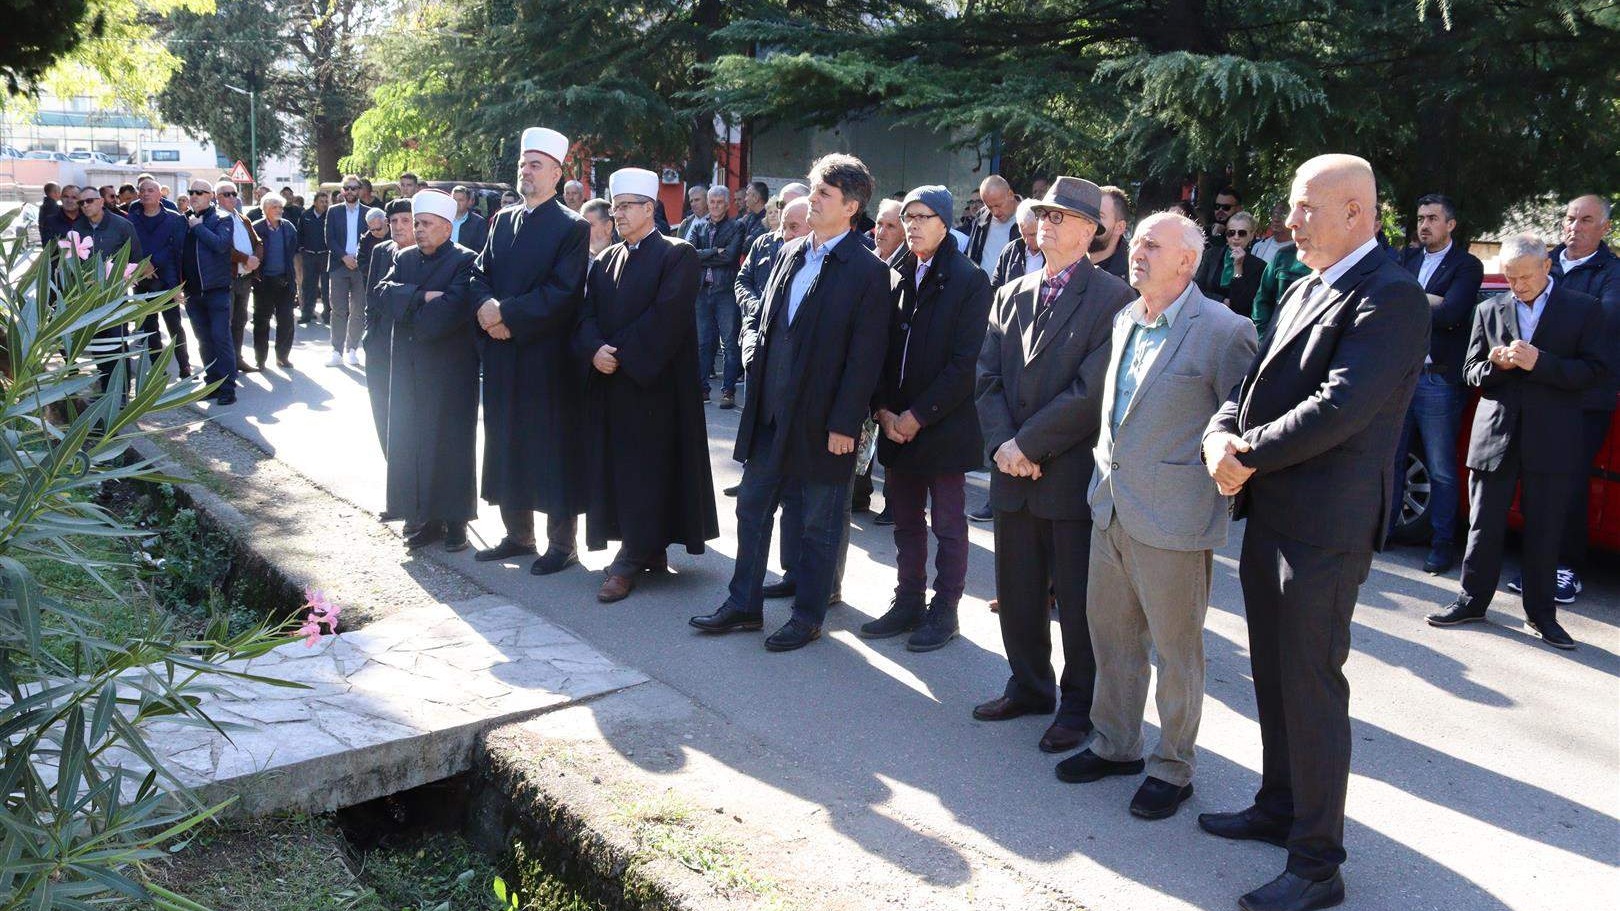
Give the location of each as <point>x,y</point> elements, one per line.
<point>1603,484</point>
<point>10,152</point>
<point>46,155</point>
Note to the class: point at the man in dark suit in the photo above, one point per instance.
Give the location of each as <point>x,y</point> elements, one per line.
<point>1533,351</point>
<point>812,369</point>
<point>469,229</point>
<point>313,252</point>
<point>1584,263</point>
<point>1304,442</point>
<point>1039,398</point>
<point>1451,276</point>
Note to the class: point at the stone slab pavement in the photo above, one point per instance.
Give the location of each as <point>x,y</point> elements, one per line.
<point>1485,767</point>
<point>390,707</point>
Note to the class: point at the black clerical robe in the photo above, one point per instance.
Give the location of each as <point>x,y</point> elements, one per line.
<point>379,338</point>
<point>433,385</point>
<point>534,264</point>
<point>646,443</point>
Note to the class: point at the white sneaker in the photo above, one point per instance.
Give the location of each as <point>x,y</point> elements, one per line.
<point>335,359</point>
<point>352,358</point>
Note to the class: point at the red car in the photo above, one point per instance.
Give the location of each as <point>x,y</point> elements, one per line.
<point>1603,484</point>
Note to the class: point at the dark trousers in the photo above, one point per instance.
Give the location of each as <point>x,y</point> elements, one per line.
<point>792,532</point>
<point>176,324</point>
<point>907,496</point>
<point>1543,501</point>
<point>378,343</point>
<point>1299,600</point>
<point>1033,557</point>
<point>241,291</point>
<point>717,325</point>
<point>561,530</point>
<point>1436,416</point>
<point>273,296</point>
<point>314,285</point>
<point>210,313</point>
<point>825,519</point>
<point>1595,429</point>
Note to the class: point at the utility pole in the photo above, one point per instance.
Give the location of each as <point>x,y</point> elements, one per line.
<point>253,130</point>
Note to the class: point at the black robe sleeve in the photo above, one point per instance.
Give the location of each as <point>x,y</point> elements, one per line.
<point>454,312</point>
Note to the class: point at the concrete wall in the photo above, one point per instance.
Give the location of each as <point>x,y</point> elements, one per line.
<point>900,157</point>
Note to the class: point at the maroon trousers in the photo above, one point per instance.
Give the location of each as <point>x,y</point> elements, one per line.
<point>907,495</point>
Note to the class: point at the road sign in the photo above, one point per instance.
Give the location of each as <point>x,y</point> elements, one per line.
<point>239,173</point>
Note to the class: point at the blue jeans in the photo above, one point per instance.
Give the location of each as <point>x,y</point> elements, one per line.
<point>210,313</point>
<point>825,511</point>
<point>793,534</point>
<point>1436,415</point>
<point>717,325</point>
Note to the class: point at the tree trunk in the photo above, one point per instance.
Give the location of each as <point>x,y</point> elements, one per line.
<point>330,145</point>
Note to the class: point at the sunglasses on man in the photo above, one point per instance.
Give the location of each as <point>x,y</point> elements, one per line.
<point>1237,232</point>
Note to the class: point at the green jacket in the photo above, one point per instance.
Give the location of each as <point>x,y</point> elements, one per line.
<point>1281,273</point>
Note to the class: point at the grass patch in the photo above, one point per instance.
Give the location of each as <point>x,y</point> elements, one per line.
<point>667,826</point>
<point>289,864</point>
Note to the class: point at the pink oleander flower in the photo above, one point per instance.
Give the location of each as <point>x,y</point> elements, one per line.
<point>81,246</point>
<point>106,269</point>
<point>320,611</point>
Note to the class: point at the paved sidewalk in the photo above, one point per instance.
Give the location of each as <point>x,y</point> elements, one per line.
<point>1484,777</point>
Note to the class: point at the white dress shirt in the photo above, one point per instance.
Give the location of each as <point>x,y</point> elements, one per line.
<point>1431,262</point>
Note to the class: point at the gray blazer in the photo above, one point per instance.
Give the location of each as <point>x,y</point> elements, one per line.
<point>1047,391</point>
<point>1150,476</point>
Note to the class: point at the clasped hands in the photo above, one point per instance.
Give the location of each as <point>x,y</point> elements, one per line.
<point>1011,460</point>
<point>899,428</point>
<point>489,319</point>
<point>1220,457</point>
<point>604,361</point>
<point>1518,354</point>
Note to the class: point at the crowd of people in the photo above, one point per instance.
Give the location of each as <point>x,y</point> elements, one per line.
<point>1132,389</point>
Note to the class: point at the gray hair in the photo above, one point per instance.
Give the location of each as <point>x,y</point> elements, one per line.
<point>887,204</point>
<point>1187,230</point>
<point>375,214</point>
<point>574,185</point>
<point>1026,211</point>
<point>225,184</point>
<point>272,200</point>
<point>1521,245</point>
<point>1245,217</point>
<point>721,191</point>
<point>1605,208</point>
<point>796,190</point>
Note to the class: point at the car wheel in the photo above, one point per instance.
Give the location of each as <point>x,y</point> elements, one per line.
<point>1412,526</point>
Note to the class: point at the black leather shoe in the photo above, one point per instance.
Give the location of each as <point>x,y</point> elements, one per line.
<point>505,550</point>
<point>1440,559</point>
<point>728,620</point>
<point>1246,825</point>
<point>1060,738</point>
<point>786,588</point>
<point>228,398</point>
<point>982,514</point>
<point>455,538</point>
<point>553,561</point>
<point>794,634</point>
<point>903,616</point>
<point>1290,892</point>
<point>1158,799</point>
<point>386,516</point>
<point>429,533</point>
<point>1006,708</point>
<point>883,518</point>
<point>731,491</point>
<point>1456,614</point>
<point>1087,766</point>
<point>1551,633</point>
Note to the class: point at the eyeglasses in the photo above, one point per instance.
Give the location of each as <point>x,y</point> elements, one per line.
<point>199,192</point>
<point>1237,232</point>
<point>87,201</point>
<point>625,206</point>
<point>1226,206</point>
<point>354,187</point>
<point>1051,216</point>
<point>226,193</point>
<point>917,217</point>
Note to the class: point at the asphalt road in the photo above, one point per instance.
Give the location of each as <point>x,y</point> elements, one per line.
<point>1485,773</point>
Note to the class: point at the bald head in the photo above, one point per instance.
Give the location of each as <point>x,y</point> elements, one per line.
<point>1333,208</point>
<point>796,218</point>
<point>998,197</point>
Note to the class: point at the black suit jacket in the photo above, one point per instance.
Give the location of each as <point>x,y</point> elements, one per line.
<point>474,231</point>
<point>1047,392</point>
<point>1539,408</point>
<point>934,339</point>
<point>1238,296</point>
<point>1324,403</point>
<point>837,346</point>
<point>1457,280</point>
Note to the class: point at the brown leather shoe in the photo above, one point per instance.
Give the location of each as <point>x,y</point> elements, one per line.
<point>1060,739</point>
<point>1005,708</point>
<point>615,588</point>
<point>995,605</point>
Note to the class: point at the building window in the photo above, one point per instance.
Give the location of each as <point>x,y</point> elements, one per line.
<point>163,155</point>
